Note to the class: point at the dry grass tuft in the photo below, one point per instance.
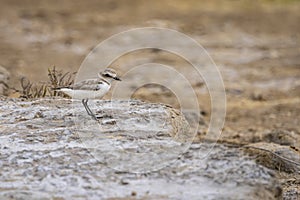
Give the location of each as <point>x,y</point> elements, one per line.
<point>45,89</point>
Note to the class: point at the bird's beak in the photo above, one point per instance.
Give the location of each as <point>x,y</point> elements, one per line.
<point>117,78</point>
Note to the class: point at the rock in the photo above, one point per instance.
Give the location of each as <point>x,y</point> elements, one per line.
<point>291,189</point>
<point>282,137</point>
<point>59,152</point>
<point>4,78</point>
<point>258,96</point>
<point>275,156</point>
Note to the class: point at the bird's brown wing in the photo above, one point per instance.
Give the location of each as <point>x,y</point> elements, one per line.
<point>89,84</point>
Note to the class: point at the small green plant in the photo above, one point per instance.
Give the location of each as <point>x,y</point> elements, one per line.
<point>47,89</point>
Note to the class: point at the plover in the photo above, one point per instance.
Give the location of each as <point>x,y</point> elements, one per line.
<point>91,88</point>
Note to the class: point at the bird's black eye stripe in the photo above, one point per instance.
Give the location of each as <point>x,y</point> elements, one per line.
<point>106,75</point>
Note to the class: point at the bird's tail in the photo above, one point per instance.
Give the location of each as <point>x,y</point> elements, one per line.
<point>57,88</point>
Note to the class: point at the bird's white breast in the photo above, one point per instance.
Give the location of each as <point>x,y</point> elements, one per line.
<point>87,94</point>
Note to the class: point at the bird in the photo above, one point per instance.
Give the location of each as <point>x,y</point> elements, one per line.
<point>93,88</point>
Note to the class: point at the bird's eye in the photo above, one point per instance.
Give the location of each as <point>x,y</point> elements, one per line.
<point>106,75</point>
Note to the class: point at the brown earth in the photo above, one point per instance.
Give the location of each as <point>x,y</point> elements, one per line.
<point>256,45</point>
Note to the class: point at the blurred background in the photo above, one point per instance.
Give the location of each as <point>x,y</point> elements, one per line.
<point>255,44</point>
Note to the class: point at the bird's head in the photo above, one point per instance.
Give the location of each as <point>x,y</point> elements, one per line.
<point>109,74</point>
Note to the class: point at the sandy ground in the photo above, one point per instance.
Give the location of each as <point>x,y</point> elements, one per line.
<point>255,44</point>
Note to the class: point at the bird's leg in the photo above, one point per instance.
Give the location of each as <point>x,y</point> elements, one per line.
<point>88,110</point>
